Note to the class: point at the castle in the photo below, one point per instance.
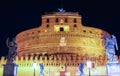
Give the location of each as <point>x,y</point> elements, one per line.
<point>60,43</point>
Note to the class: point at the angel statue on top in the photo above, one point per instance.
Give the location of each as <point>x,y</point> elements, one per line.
<point>12,52</point>
<point>111,46</point>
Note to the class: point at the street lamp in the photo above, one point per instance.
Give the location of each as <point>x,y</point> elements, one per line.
<point>89,65</point>
<point>34,66</point>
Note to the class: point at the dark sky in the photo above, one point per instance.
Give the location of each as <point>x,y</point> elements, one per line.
<point>20,15</point>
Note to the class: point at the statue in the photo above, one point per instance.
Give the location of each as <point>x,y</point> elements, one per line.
<point>12,52</point>
<point>41,69</point>
<point>111,46</point>
<point>81,67</point>
<point>112,66</point>
<point>61,10</point>
<point>10,68</point>
<point>62,41</point>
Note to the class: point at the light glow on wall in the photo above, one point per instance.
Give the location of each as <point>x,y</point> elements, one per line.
<point>57,27</point>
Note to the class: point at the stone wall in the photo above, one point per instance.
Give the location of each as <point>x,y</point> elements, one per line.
<point>53,64</point>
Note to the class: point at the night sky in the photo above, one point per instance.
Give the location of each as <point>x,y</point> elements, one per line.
<point>20,15</point>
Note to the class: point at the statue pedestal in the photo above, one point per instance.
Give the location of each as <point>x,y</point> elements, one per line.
<point>82,74</point>
<point>10,69</point>
<point>41,74</point>
<point>113,69</point>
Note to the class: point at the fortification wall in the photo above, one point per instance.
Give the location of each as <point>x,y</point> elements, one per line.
<point>53,65</point>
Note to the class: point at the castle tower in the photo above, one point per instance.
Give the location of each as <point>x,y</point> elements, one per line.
<point>61,43</point>
<point>61,33</point>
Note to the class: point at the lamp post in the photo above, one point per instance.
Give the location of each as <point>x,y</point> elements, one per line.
<point>34,66</point>
<point>89,65</point>
<point>49,70</point>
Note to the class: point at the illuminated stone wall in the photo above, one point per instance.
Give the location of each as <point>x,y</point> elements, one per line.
<point>53,65</point>
<point>46,38</point>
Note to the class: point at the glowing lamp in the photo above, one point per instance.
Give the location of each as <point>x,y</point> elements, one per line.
<point>34,66</point>
<point>89,64</point>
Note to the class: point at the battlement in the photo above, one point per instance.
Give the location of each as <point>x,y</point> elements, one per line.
<point>56,60</point>
<point>59,13</point>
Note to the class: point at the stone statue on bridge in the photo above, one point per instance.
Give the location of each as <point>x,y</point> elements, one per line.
<point>81,69</point>
<point>41,69</point>
<point>12,52</point>
<point>111,46</point>
<point>10,68</point>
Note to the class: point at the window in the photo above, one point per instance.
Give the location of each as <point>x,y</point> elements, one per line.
<point>47,25</point>
<point>32,32</point>
<point>47,20</point>
<point>84,30</point>
<point>90,31</point>
<point>66,20</point>
<point>38,31</point>
<point>74,20</point>
<point>56,20</point>
<point>75,25</point>
<point>61,29</point>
